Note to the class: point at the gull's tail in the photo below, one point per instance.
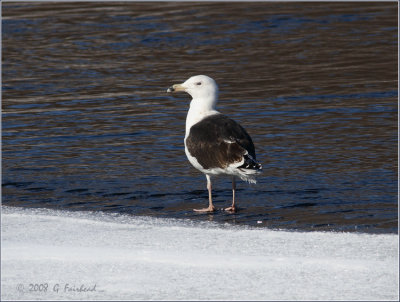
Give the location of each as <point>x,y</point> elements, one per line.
<point>249,169</point>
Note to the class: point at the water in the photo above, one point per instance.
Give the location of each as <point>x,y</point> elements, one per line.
<point>87,123</point>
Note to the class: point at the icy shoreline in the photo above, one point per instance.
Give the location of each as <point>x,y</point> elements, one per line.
<point>58,255</point>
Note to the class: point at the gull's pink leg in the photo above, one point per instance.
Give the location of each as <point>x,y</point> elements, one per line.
<point>232,208</point>
<point>210,208</point>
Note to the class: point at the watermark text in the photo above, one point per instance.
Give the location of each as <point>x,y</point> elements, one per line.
<point>58,288</point>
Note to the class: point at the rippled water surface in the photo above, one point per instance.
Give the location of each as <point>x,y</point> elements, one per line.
<point>87,123</point>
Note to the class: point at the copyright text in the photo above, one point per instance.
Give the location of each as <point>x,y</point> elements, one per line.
<point>56,288</point>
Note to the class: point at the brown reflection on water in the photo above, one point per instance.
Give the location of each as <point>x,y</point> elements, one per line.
<point>87,123</point>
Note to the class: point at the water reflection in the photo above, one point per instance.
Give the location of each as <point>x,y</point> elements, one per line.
<point>87,124</point>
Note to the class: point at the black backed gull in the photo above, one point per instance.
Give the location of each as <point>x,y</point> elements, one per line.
<point>214,143</point>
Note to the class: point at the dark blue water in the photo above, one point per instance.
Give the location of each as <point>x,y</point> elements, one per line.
<point>87,123</point>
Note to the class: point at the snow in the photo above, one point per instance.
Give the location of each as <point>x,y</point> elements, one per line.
<point>98,256</point>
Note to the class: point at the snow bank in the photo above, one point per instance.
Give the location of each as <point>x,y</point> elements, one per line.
<point>54,255</point>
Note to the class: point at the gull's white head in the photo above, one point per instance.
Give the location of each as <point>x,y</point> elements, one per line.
<point>203,90</point>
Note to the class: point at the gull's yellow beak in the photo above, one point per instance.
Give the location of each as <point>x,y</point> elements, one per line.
<point>176,88</point>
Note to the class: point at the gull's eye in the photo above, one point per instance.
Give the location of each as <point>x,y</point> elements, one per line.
<point>198,83</point>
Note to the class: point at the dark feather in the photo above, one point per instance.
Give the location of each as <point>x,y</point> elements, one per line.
<point>218,141</point>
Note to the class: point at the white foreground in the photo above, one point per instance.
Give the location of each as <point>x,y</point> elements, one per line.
<point>95,256</point>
